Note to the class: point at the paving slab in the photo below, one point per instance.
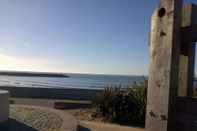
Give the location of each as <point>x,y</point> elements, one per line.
<point>33,118</point>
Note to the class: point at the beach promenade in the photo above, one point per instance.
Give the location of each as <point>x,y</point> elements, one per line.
<point>32,109</point>
<point>28,115</point>
<point>31,118</point>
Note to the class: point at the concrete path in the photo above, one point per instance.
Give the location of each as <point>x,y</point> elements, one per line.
<point>32,118</point>
<point>83,125</point>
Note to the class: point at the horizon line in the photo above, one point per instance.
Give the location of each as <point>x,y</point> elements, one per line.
<point>84,73</point>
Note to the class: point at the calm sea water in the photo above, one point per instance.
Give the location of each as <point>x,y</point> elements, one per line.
<point>81,81</point>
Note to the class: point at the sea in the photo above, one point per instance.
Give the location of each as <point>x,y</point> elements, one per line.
<point>78,81</point>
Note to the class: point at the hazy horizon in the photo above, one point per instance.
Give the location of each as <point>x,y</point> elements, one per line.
<point>18,71</point>
<point>74,36</point>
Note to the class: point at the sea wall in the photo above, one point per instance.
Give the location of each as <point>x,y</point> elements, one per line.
<point>51,93</point>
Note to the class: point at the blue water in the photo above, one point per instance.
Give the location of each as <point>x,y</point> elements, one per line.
<point>82,81</point>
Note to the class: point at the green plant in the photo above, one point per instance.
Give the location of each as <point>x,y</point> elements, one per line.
<point>124,106</point>
<point>105,100</point>
<point>139,92</point>
<point>12,101</point>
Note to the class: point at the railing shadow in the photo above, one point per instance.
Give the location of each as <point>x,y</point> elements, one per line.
<point>82,128</point>
<point>13,125</point>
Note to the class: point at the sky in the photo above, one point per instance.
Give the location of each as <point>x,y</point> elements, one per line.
<point>76,36</point>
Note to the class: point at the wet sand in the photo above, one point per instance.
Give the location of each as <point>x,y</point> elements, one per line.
<point>51,93</point>
<point>68,104</point>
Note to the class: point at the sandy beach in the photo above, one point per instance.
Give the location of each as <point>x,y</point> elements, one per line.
<point>51,93</point>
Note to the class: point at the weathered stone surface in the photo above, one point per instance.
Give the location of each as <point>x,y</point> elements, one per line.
<point>164,66</point>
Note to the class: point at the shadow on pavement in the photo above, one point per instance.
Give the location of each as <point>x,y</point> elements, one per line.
<point>13,125</point>
<point>82,128</point>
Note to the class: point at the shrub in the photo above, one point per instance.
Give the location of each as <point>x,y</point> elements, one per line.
<point>12,101</point>
<point>124,106</point>
<point>105,100</point>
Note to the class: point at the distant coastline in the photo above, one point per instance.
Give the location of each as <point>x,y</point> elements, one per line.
<point>32,74</point>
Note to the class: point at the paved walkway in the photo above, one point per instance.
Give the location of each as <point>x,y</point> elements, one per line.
<point>31,118</point>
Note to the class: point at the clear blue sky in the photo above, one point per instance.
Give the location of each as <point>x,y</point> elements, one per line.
<point>81,36</point>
